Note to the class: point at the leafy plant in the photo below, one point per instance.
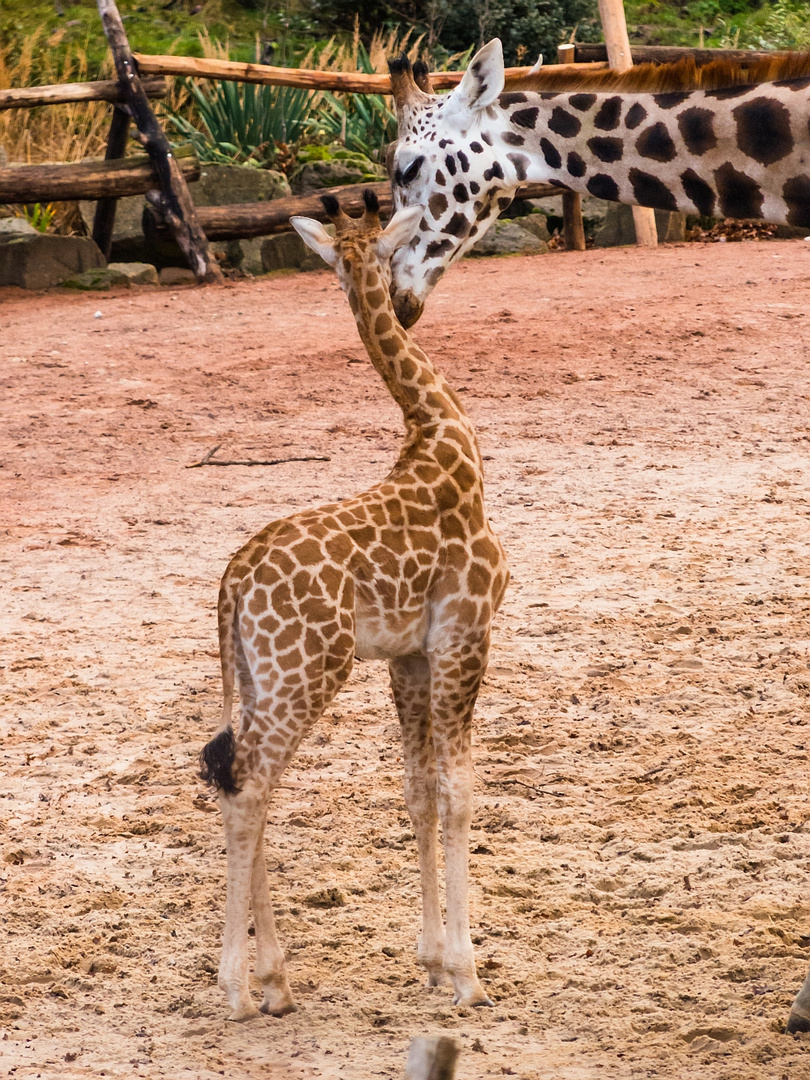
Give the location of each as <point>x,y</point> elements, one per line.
<point>362,122</point>
<point>39,216</point>
<point>243,121</point>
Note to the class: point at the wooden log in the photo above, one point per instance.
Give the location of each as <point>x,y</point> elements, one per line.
<point>246,220</point>
<point>104,219</point>
<point>573,227</point>
<point>31,97</point>
<point>337,81</point>
<point>667,54</point>
<point>85,179</point>
<point>620,58</point>
<point>432,1058</point>
<point>173,198</point>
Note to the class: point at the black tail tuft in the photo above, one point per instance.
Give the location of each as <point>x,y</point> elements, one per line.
<point>216,762</point>
<point>330,205</point>
<point>420,70</point>
<point>371,201</point>
<point>400,65</point>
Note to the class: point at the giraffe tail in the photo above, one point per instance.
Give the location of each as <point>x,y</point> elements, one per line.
<point>217,756</point>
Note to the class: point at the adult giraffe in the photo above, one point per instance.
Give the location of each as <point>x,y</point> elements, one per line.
<point>729,148</point>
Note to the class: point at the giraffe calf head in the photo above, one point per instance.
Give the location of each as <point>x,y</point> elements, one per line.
<point>361,249</point>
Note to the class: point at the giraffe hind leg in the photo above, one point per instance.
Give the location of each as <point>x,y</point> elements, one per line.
<point>410,684</point>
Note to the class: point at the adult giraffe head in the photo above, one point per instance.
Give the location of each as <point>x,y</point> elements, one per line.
<point>451,160</point>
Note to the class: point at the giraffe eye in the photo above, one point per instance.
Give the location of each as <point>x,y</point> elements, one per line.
<point>412,171</point>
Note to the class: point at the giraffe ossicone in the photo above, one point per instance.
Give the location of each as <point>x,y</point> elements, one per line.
<point>741,150</point>
<point>409,571</point>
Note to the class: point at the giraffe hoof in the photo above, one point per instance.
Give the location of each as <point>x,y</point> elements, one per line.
<point>244,1013</point>
<point>278,1010</point>
<point>797,1023</point>
<point>477,1001</point>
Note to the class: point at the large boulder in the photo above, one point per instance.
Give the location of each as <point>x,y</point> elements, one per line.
<point>219,185</point>
<point>619,228</point>
<point>511,237</point>
<point>16,226</point>
<point>228,185</point>
<point>332,166</point>
<point>287,251</point>
<point>39,261</point>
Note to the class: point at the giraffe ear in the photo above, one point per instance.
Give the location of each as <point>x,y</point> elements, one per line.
<point>482,82</point>
<point>316,237</point>
<point>399,231</point>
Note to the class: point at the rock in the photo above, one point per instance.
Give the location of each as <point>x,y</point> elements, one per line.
<point>619,227</point>
<point>508,238</point>
<point>536,224</point>
<point>227,185</point>
<point>244,255</point>
<point>783,232</point>
<point>176,275</point>
<point>341,167</point>
<point>40,261</point>
<point>127,238</point>
<point>136,273</point>
<point>17,226</point>
<point>99,279</point>
<point>287,251</point>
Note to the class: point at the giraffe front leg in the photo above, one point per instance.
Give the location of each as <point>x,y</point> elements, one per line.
<point>243,816</point>
<point>452,703</point>
<point>277,999</point>
<point>410,683</point>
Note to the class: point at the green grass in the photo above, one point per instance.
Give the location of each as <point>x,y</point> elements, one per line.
<point>152,28</point>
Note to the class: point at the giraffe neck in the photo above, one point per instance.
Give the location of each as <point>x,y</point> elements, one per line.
<point>424,395</point>
<point>738,152</point>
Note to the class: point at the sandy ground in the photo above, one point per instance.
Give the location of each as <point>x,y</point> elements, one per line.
<point>641,835</point>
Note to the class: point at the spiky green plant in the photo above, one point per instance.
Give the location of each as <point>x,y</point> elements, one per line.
<point>362,122</point>
<point>244,121</point>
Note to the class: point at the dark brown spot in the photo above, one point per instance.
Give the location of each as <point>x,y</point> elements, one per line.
<point>438,247</point>
<point>458,225</point>
<point>650,191</point>
<point>564,124</point>
<point>603,187</point>
<point>606,148</point>
<point>460,193</point>
<point>581,102</point>
<point>763,130</point>
<point>796,194</point>
<point>520,163</point>
<point>576,165</point>
<point>670,99</point>
<point>494,170</point>
<point>525,118</point>
<point>610,111</point>
<point>740,196</point>
<point>383,323</point>
<point>656,143</point>
<point>450,164</point>
<point>308,553</point>
<point>636,115</point>
<point>701,193</point>
<point>512,99</point>
<point>437,204</point>
<point>551,154</point>
<point>697,128</point>
<point>511,138</point>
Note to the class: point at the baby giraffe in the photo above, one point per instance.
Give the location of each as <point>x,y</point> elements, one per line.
<point>410,572</point>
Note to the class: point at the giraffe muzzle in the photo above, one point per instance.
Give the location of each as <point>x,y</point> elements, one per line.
<point>407,307</point>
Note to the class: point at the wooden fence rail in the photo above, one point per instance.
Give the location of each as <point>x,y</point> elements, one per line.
<point>31,97</point>
<point>85,179</point>
<point>244,221</point>
<point>339,81</point>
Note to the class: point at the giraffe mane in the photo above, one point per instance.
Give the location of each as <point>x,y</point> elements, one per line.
<point>683,74</point>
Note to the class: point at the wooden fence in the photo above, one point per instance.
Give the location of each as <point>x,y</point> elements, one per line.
<point>162,174</point>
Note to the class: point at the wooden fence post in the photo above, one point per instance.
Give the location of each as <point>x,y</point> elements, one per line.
<point>104,220</point>
<point>573,229</point>
<point>173,199</point>
<point>614,27</point>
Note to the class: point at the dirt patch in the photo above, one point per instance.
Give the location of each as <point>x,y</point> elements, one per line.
<point>640,840</point>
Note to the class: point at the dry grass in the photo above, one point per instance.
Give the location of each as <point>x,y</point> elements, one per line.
<point>53,132</point>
